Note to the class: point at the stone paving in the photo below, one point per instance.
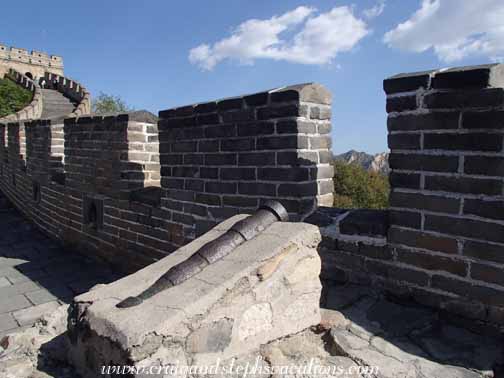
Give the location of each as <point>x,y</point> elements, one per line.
<point>404,339</point>
<point>36,274</point>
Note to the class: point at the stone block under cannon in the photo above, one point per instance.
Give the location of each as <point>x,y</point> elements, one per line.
<point>264,288</point>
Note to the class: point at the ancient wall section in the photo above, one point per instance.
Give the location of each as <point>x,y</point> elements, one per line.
<point>222,158</point>
<point>113,187</point>
<point>445,244</point>
<point>71,89</point>
<point>74,181</point>
<point>34,63</point>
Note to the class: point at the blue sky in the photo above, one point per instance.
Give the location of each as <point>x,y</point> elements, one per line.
<point>141,50</point>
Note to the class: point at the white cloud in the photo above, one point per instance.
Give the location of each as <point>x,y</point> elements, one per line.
<point>375,11</point>
<point>454,29</point>
<point>316,39</point>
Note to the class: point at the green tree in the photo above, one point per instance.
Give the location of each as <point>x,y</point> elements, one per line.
<point>105,104</point>
<point>355,187</point>
<point>12,97</point>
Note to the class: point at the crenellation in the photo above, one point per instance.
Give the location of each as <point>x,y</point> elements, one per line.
<point>34,63</point>
<point>115,162</point>
<point>217,141</point>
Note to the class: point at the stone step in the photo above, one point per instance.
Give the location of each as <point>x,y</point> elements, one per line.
<point>55,104</point>
<point>59,107</point>
<point>56,99</point>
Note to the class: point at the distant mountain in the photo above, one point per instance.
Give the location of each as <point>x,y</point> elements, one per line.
<point>374,163</point>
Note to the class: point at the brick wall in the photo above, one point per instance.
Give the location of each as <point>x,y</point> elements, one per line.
<point>71,89</point>
<point>354,244</point>
<point>445,244</point>
<point>96,183</point>
<point>91,161</point>
<point>223,157</point>
<point>113,155</point>
<point>447,161</point>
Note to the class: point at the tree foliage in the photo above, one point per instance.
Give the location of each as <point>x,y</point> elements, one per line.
<point>355,187</point>
<point>105,104</point>
<point>12,97</point>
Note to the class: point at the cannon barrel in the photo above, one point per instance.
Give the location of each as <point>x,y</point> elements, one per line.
<point>240,232</point>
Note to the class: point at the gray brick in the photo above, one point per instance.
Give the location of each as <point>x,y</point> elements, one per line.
<point>4,282</point>
<point>47,295</point>
<point>7,322</point>
<point>407,82</point>
<point>13,330</point>
<point>13,303</point>
<point>30,315</point>
<point>19,288</point>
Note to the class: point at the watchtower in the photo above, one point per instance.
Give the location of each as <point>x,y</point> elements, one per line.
<point>33,64</point>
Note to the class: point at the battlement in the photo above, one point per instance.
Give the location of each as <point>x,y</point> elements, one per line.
<point>34,63</point>
<point>133,188</point>
<point>34,57</point>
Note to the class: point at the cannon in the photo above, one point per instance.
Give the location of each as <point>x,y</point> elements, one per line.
<point>239,233</point>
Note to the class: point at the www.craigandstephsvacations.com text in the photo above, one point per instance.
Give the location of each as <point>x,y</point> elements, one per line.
<point>259,367</point>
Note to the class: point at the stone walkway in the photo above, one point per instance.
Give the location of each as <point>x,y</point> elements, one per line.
<point>404,339</point>
<point>36,274</point>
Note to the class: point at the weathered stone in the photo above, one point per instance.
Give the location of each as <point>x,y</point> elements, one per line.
<point>399,320</point>
<point>342,296</point>
<point>449,344</point>
<point>395,360</point>
<point>333,319</point>
<point>42,346</point>
<point>345,340</point>
<point>308,351</point>
<point>213,337</point>
<point>30,315</point>
<point>265,289</point>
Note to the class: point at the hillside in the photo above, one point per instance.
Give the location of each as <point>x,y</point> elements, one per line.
<point>373,163</point>
<point>12,97</point>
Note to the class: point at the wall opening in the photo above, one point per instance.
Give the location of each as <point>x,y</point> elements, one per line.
<point>93,213</point>
<point>92,216</point>
<point>36,192</point>
<point>28,74</point>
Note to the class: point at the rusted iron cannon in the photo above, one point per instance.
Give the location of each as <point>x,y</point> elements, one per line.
<point>240,232</point>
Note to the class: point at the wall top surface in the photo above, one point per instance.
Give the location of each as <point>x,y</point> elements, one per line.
<point>470,77</point>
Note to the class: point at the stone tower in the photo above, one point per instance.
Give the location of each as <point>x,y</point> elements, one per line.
<point>33,64</point>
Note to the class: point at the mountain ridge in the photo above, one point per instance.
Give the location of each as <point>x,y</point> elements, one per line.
<point>373,163</point>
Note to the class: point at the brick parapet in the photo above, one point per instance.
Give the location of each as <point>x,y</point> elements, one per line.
<point>447,201</point>
<point>46,175</point>
<point>112,155</point>
<point>38,58</point>
<point>223,157</point>
<point>445,242</point>
<point>71,89</point>
<point>96,183</point>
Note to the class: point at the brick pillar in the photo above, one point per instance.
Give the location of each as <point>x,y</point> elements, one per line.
<point>223,157</point>
<point>447,171</point>
<point>14,144</point>
<point>38,149</point>
<point>111,155</point>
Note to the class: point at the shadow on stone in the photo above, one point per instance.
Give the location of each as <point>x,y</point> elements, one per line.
<point>52,358</point>
<point>398,335</point>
